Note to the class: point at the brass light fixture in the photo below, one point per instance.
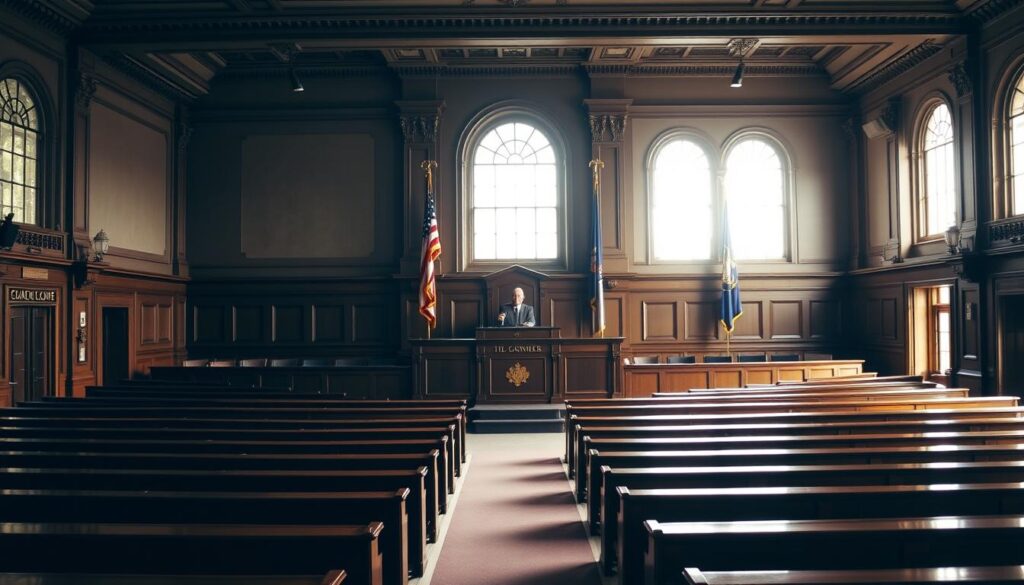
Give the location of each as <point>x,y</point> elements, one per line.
<point>739,48</point>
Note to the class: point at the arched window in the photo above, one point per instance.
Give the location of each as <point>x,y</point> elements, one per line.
<point>681,202</point>
<point>1016,126</point>
<point>514,203</point>
<point>19,151</point>
<point>937,196</point>
<point>755,188</point>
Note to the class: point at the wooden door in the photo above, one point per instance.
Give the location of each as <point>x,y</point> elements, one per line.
<point>31,352</point>
<point>115,345</point>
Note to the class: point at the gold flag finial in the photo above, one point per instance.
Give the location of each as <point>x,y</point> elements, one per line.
<point>428,167</point>
<point>595,166</point>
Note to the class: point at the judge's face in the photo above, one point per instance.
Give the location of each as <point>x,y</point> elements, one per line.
<point>518,296</point>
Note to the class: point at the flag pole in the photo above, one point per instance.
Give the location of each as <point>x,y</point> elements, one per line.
<point>428,167</point>
<point>595,167</point>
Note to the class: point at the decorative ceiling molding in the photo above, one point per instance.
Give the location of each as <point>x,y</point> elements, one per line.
<point>986,10</point>
<point>62,17</point>
<point>159,83</point>
<point>597,22</point>
<point>905,63</point>
<point>706,70</point>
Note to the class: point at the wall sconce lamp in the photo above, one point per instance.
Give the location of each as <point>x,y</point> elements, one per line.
<point>952,237</point>
<point>739,48</point>
<point>100,244</point>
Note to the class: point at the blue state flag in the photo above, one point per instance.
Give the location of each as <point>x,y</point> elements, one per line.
<point>731,307</point>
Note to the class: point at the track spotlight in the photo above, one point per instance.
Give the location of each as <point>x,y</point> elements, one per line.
<point>296,82</point>
<point>737,77</point>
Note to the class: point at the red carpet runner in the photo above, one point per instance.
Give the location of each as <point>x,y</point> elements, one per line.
<point>515,523</point>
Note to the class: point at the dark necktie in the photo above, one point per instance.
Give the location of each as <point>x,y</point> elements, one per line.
<point>515,313</point>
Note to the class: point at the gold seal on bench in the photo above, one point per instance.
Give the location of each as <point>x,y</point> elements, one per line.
<point>517,375</point>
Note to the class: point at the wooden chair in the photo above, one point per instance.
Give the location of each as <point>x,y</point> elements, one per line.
<point>645,359</point>
<point>785,357</point>
<point>717,359</point>
<point>284,362</point>
<point>199,363</point>
<point>253,363</point>
<point>752,357</point>
<point>682,359</point>
<point>317,362</point>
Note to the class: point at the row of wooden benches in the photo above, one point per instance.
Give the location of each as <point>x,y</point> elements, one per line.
<point>189,483</point>
<point>734,479</point>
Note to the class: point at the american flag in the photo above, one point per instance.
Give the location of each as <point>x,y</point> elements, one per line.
<point>431,251</point>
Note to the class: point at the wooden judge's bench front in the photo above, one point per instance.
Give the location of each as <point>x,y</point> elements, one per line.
<point>518,365</point>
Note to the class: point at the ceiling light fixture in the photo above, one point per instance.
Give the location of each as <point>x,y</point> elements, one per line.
<point>296,82</point>
<point>739,48</point>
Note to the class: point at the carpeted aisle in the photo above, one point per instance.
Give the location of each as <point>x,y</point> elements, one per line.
<point>516,523</point>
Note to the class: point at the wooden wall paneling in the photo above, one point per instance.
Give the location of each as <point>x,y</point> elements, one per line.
<point>370,323</point>
<point>642,384</point>
<point>328,323</point>
<point>613,321</point>
<point>585,376</point>
<point>824,318</point>
<point>565,314</point>
<point>448,373</point>
<point>968,335</point>
<point>679,381</point>
<point>701,320</point>
<point>247,324</point>
<point>786,319</point>
<point>660,320</point>
<point>466,316</point>
<point>287,322</point>
<point>750,325</point>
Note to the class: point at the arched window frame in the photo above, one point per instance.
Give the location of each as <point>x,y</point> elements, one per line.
<point>1002,160</point>
<point>476,130</point>
<point>918,153</point>
<point>704,143</point>
<point>782,150</point>
<point>47,207</point>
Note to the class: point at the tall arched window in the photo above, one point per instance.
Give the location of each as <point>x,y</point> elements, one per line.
<point>755,188</point>
<point>1016,126</point>
<point>937,196</point>
<point>681,202</point>
<point>19,151</point>
<point>514,203</point>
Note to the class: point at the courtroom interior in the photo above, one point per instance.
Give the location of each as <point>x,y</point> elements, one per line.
<point>511,291</point>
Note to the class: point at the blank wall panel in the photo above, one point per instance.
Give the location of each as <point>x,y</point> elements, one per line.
<point>247,324</point>
<point>467,315</point>
<point>613,317</point>
<point>681,381</point>
<point>447,377</point>
<point>659,321</point>
<point>786,319</point>
<point>287,324</point>
<point>824,319</point>
<point>890,326</point>
<point>565,314</point>
<point>148,324</point>
<point>208,323</point>
<point>586,375</point>
<point>164,320</point>
<point>328,323</point>
<point>750,324</point>
<point>702,321</point>
<point>369,324</point>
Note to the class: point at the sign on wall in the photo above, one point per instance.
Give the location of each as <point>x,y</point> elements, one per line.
<point>32,295</point>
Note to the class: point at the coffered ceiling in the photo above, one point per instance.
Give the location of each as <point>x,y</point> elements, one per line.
<point>184,45</point>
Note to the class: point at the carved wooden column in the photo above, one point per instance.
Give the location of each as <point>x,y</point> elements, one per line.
<point>183,134</point>
<point>84,92</point>
<point>420,122</point>
<point>608,120</point>
<point>891,117</point>
<point>967,140</point>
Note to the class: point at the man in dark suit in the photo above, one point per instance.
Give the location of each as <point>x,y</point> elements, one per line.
<point>517,313</point>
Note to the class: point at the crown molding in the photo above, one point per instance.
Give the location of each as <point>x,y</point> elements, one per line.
<point>62,16</point>
<point>904,63</point>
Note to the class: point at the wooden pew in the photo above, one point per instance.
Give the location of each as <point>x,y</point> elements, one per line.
<point>192,549</point>
<point>73,430</point>
<point>795,503</point>
<point>335,577</point>
<point>241,481</point>
<point>1004,575</point>
<point>249,461</point>
<point>574,421</point>
<point>255,424</point>
<point>364,447</point>
<point>786,475</point>
<point>736,430</point>
<point>792,442</point>
<point>830,544</point>
<point>881,427</point>
<point>49,410</point>
<point>816,456</point>
<point>167,507</point>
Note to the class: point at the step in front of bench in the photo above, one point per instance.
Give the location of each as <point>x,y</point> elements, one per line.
<point>529,425</point>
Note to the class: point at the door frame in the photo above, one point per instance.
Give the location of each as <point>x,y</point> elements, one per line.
<point>57,340</point>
